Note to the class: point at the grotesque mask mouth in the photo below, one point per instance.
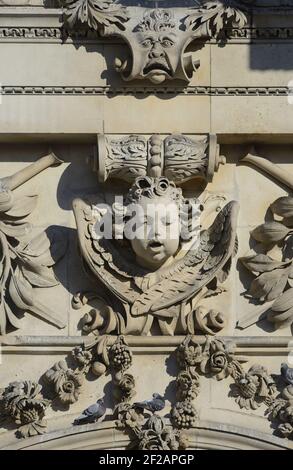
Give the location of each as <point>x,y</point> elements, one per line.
<point>158,67</point>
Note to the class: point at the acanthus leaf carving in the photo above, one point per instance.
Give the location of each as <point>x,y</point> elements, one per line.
<point>96,14</point>
<point>26,258</point>
<point>155,56</point>
<point>214,15</point>
<point>177,157</point>
<point>272,283</point>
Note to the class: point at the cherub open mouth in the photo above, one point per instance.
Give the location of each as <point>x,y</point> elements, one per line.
<point>157,67</point>
<point>155,244</point>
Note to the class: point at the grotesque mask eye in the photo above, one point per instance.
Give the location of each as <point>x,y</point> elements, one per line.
<point>147,43</point>
<point>167,43</point>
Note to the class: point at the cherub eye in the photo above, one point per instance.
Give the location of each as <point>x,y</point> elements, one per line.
<point>147,43</point>
<point>167,43</point>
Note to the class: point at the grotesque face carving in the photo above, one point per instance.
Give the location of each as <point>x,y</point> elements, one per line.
<point>157,44</point>
<point>157,38</point>
<point>158,55</point>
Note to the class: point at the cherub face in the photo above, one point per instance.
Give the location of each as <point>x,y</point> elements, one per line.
<point>157,233</point>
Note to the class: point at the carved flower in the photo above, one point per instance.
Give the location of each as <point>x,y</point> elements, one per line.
<point>189,354</point>
<point>254,388</point>
<point>69,385</point>
<point>219,364</point>
<point>149,440</point>
<point>220,361</point>
<point>127,416</point>
<point>67,382</point>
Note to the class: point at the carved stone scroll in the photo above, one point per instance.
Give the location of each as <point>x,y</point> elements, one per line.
<point>178,157</point>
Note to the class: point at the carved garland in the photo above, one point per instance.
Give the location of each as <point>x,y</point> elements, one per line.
<point>24,403</point>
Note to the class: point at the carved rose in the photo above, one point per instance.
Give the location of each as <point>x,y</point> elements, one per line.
<point>127,382</point>
<point>167,440</point>
<point>158,437</point>
<point>219,360</point>
<point>219,364</point>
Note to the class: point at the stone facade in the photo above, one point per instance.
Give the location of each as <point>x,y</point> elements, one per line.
<point>185,104</point>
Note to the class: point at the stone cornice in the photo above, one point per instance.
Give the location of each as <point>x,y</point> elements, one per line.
<point>145,90</point>
<point>42,33</point>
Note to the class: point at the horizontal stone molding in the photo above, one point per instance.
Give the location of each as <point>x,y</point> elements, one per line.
<point>146,90</point>
<point>204,435</point>
<point>251,345</point>
<point>59,34</point>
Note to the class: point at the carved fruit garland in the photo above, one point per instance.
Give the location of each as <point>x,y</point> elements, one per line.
<point>274,277</point>
<point>216,358</point>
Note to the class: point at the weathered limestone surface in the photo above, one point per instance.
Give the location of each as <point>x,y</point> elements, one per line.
<point>59,92</point>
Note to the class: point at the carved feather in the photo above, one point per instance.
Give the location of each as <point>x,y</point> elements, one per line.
<point>99,259</point>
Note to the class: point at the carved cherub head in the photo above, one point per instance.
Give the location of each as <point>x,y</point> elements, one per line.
<point>154,224</point>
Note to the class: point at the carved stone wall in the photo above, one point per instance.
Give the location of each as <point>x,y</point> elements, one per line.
<point>183,104</point>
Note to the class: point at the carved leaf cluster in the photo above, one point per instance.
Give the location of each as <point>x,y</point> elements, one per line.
<point>96,14</point>
<point>26,261</point>
<point>23,402</point>
<point>273,280</point>
<point>281,409</point>
<point>216,15</point>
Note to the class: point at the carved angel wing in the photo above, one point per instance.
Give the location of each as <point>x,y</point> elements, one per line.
<point>211,259</point>
<point>102,256</point>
